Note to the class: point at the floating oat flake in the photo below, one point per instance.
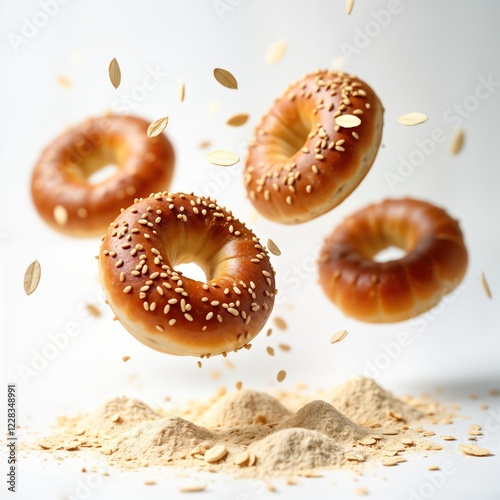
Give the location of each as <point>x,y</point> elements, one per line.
<point>225,78</point>
<point>32,277</point>
<point>157,127</point>
<point>223,158</point>
<point>348,6</point>
<point>348,121</point>
<point>238,120</point>
<point>457,141</point>
<point>182,90</point>
<point>280,323</point>
<point>486,287</point>
<point>273,248</point>
<point>337,337</point>
<point>275,52</point>
<point>414,118</point>
<point>281,376</point>
<point>115,74</point>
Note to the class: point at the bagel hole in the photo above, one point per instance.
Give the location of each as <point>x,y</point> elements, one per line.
<point>102,174</point>
<point>99,164</point>
<point>389,253</point>
<point>295,137</point>
<point>192,271</point>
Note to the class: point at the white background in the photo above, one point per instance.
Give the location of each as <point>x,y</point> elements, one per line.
<point>425,56</point>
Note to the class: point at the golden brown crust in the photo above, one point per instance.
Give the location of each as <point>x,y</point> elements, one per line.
<point>61,192</point>
<point>168,311</point>
<point>300,163</point>
<point>382,292</point>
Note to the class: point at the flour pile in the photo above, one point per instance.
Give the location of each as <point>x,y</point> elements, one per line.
<point>253,434</point>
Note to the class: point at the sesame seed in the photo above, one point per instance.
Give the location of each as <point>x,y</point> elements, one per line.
<point>172,322</point>
<point>233,311</point>
<point>209,316</point>
<point>127,289</point>
<point>188,316</point>
<point>289,200</point>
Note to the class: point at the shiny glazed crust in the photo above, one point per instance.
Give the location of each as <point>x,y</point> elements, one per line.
<point>168,311</point>
<point>382,292</point>
<point>61,192</point>
<point>300,163</point>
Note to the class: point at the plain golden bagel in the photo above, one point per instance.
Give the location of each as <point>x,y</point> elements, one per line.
<point>382,292</point>
<point>60,187</point>
<point>168,311</point>
<point>313,147</point>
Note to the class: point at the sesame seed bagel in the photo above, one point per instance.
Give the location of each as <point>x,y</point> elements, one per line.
<point>60,187</point>
<point>172,313</point>
<point>301,163</point>
<point>383,292</point>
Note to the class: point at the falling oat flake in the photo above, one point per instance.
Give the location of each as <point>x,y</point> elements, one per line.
<point>414,118</point>
<point>225,78</point>
<point>348,6</point>
<point>32,277</point>
<point>275,52</point>
<point>182,90</point>
<point>457,141</point>
<point>273,248</point>
<point>348,121</point>
<point>223,158</point>
<point>486,287</point>
<point>238,120</point>
<point>337,337</point>
<point>115,74</point>
<point>157,127</point>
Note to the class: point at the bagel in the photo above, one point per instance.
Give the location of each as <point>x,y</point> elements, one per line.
<point>168,311</point>
<point>61,191</point>
<point>301,163</point>
<point>382,292</point>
